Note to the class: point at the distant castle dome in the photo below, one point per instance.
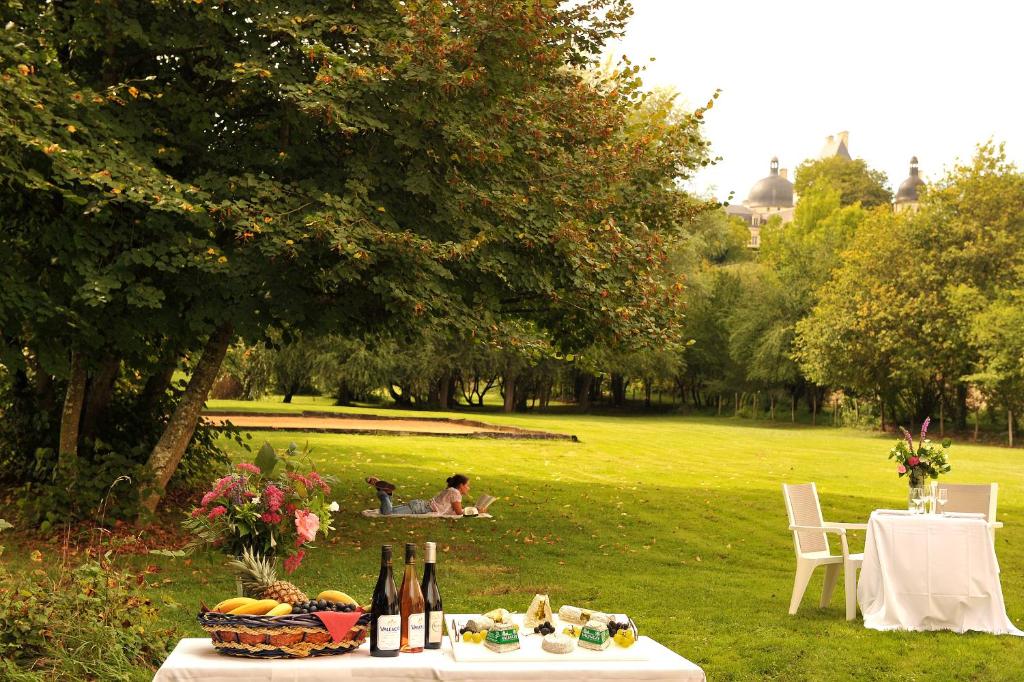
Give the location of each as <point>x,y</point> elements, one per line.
<point>907,192</point>
<point>773,191</point>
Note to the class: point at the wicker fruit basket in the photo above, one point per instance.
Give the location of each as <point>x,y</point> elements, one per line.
<point>291,636</point>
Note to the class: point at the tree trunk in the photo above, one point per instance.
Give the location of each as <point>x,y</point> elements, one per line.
<point>72,413</point>
<point>736,412</point>
<point>961,407</point>
<point>881,412</point>
<point>509,383</point>
<point>977,423</point>
<point>814,407</point>
<point>342,394</point>
<point>942,417</point>
<point>773,407</point>
<point>158,383</point>
<point>288,393</point>
<point>168,451</point>
<point>618,390</point>
<point>792,408</point>
<point>1009,425</point>
<point>99,395</point>
<point>44,393</point>
<point>444,390</point>
<point>647,395</point>
<point>719,404</point>
<point>583,386</point>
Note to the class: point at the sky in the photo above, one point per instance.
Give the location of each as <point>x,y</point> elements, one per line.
<point>904,77</point>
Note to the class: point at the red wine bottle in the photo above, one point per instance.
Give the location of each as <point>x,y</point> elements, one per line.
<point>385,610</point>
<point>432,609</point>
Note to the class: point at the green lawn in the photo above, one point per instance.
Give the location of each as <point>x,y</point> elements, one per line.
<point>678,521</point>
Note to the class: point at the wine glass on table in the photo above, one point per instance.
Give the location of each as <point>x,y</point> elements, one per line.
<point>917,496</point>
<point>942,497</point>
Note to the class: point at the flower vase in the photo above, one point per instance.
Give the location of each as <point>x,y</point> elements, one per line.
<point>915,480</point>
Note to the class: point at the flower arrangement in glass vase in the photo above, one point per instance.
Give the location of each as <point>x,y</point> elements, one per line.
<point>253,510</point>
<point>927,460</point>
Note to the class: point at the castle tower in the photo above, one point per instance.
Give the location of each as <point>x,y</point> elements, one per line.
<point>906,196</point>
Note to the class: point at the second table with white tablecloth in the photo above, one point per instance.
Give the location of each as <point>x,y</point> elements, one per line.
<point>931,572</point>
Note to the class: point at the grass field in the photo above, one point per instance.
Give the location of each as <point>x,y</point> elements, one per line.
<point>678,521</point>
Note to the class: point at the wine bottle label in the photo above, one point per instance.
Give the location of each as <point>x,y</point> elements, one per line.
<point>416,630</point>
<point>389,632</point>
<point>436,624</point>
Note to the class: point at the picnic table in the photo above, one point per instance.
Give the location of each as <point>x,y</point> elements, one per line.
<point>196,659</point>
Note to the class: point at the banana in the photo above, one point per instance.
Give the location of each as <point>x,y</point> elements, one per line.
<point>280,610</point>
<point>258,608</point>
<point>233,603</point>
<point>336,597</point>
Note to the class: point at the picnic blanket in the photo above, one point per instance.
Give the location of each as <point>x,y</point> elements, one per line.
<point>375,514</point>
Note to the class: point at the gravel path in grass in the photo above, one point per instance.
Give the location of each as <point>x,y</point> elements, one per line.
<point>320,422</point>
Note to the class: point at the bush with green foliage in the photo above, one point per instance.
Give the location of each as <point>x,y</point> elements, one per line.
<point>50,493</point>
<point>91,622</point>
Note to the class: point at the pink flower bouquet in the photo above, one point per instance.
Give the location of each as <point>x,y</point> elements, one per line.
<point>273,515</point>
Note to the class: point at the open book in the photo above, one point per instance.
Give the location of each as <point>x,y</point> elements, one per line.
<point>482,503</point>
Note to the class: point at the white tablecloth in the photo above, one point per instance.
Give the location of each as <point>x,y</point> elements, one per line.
<point>196,659</point>
<point>930,572</point>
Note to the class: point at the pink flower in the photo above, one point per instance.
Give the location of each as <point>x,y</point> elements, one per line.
<point>306,525</point>
<point>913,461</point>
<point>274,497</point>
<point>315,479</point>
<point>246,466</point>
<point>198,511</point>
<point>219,510</point>
<point>270,517</point>
<point>209,497</point>
<point>292,562</point>
<point>902,469</point>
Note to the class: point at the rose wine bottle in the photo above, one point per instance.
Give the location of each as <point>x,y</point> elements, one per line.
<point>432,610</point>
<point>413,624</point>
<point>385,610</point>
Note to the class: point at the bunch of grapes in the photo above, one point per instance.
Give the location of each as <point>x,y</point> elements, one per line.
<point>544,628</point>
<point>468,635</point>
<point>314,605</point>
<point>624,634</point>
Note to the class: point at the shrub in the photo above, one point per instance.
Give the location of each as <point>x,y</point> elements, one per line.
<point>48,497</point>
<point>91,622</point>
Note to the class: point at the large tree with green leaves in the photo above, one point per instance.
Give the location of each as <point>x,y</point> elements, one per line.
<point>178,174</point>
<point>851,178</point>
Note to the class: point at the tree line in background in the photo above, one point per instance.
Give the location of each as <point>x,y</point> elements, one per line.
<point>877,317</point>
<point>437,201</point>
<point>178,176</point>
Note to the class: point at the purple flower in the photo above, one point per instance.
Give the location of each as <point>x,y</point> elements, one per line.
<point>909,438</point>
<point>924,427</point>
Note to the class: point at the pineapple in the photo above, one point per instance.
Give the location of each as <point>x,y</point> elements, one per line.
<point>259,579</point>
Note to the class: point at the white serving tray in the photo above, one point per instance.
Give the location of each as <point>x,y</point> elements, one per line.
<point>530,647</point>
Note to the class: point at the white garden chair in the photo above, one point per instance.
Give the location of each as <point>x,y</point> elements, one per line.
<point>976,498</point>
<point>812,548</point>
